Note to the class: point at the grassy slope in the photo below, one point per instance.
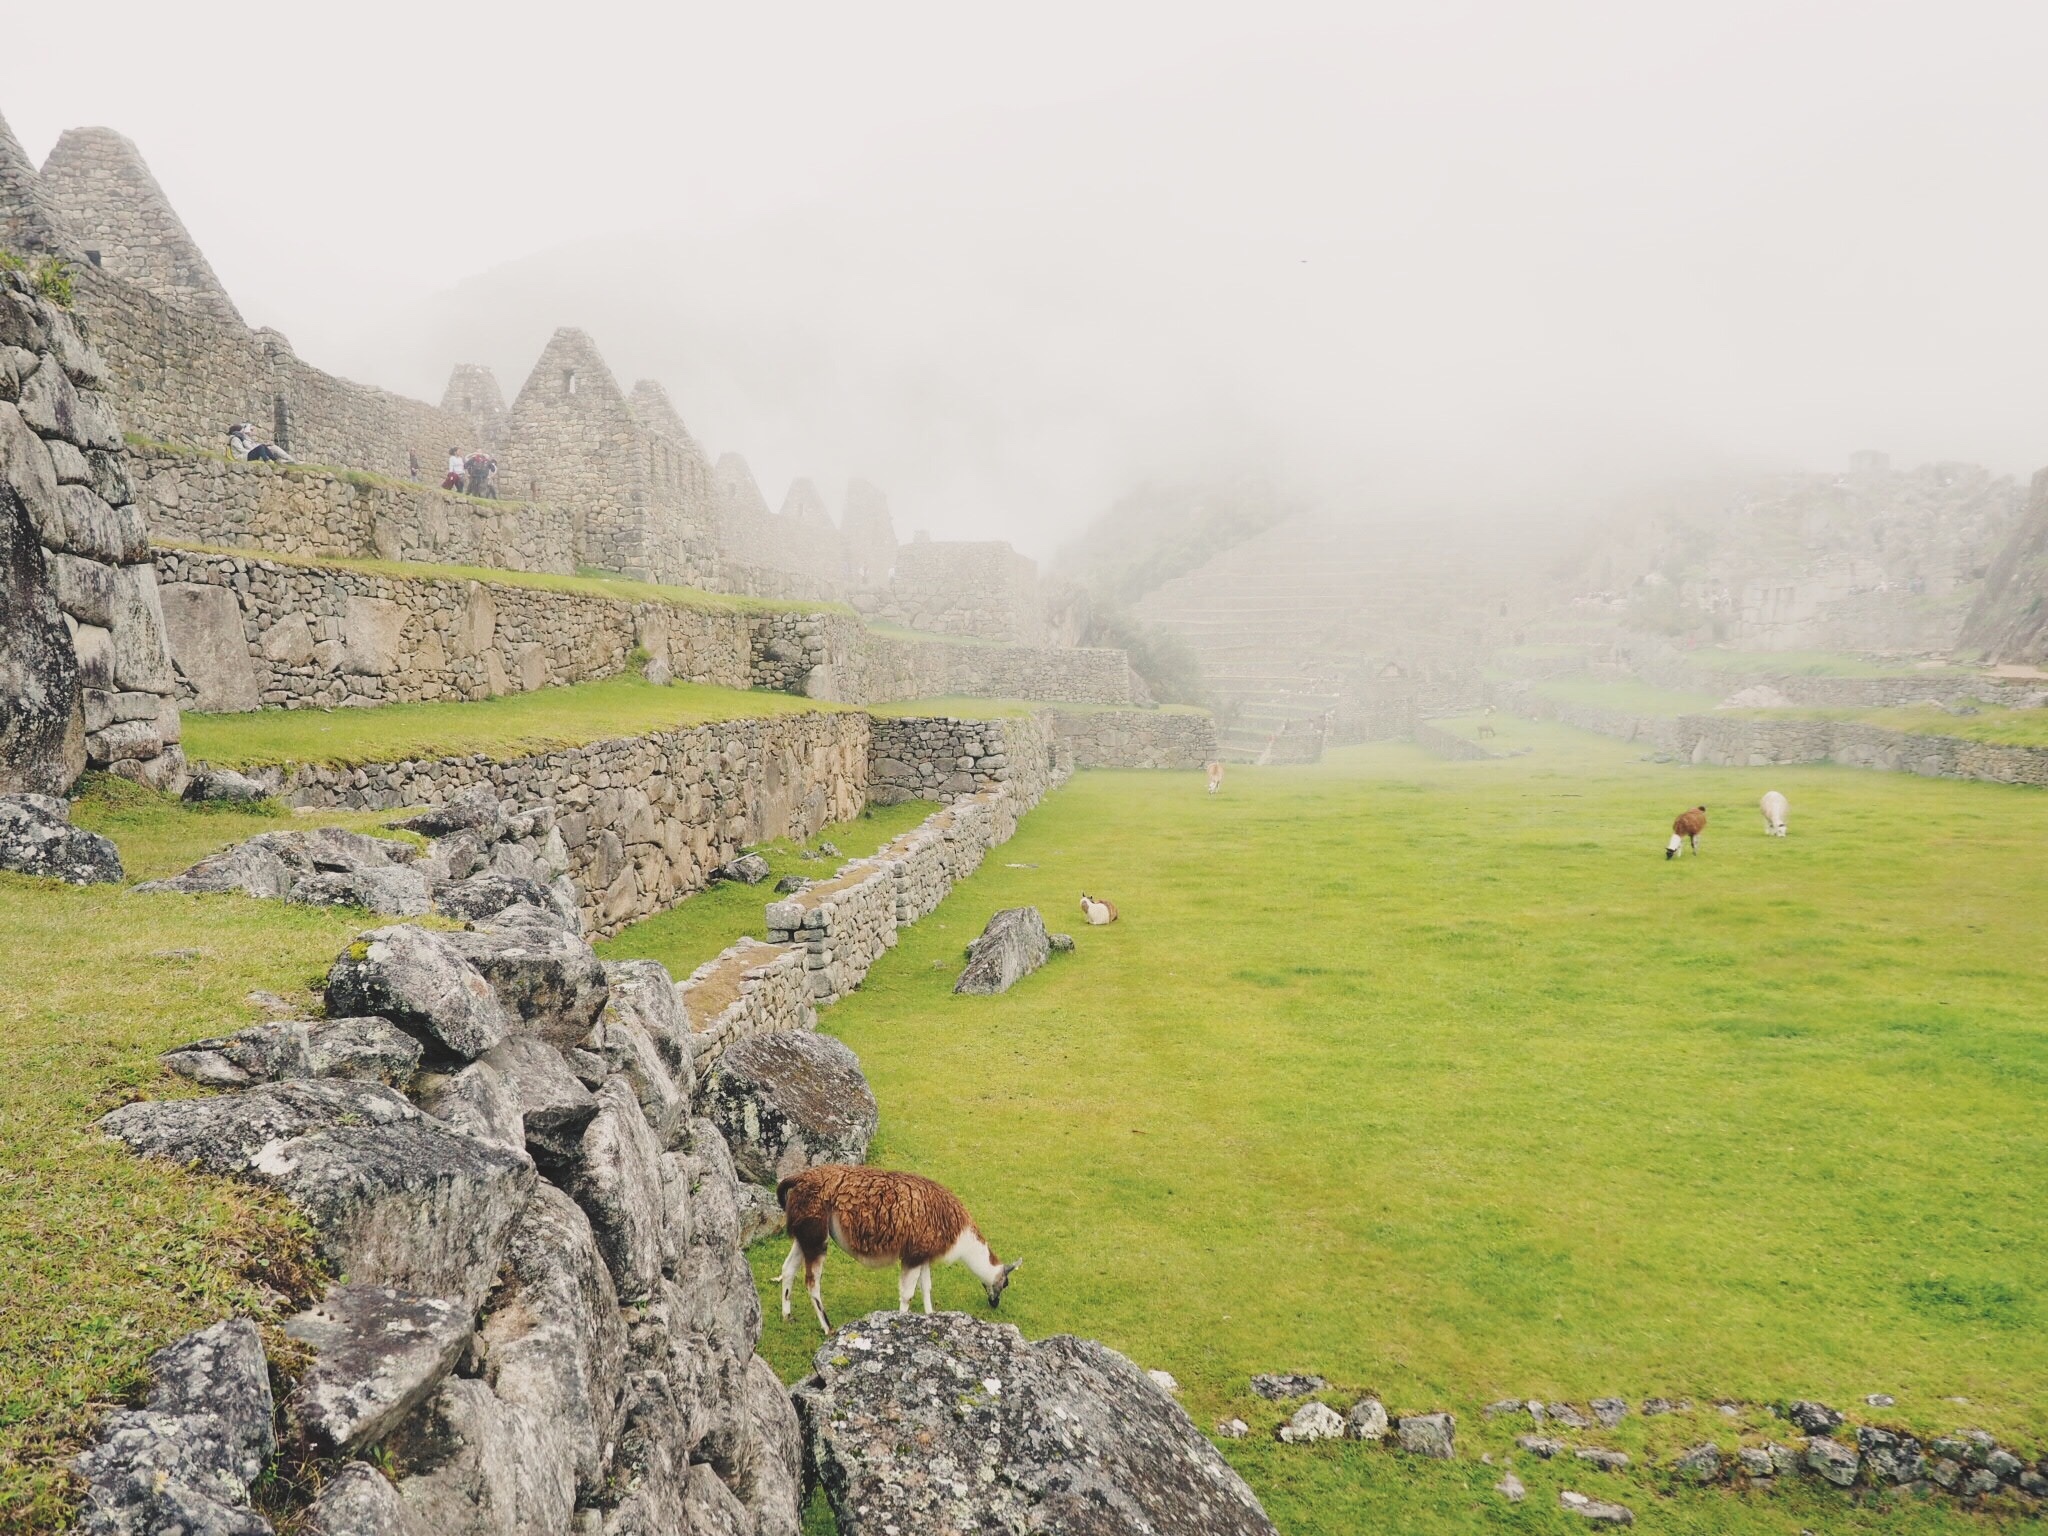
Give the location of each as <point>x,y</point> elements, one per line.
<point>107,1257</point>
<point>1437,1079</point>
<point>961,706</point>
<point>691,932</point>
<point>1807,663</point>
<point>542,721</point>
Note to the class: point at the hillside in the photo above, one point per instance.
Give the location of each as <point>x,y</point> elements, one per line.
<point>2009,621</point>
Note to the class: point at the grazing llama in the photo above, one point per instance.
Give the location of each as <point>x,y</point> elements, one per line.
<point>1686,830</point>
<point>1097,912</point>
<point>1774,806</point>
<point>882,1217</point>
<point>1215,778</point>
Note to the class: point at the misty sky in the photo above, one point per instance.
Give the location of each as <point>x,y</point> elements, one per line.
<point>1004,263</point>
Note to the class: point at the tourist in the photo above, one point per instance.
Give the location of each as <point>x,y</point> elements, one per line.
<point>482,474</point>
<point>455,479</point>
<point>412,462</point>
<point>243,444</point>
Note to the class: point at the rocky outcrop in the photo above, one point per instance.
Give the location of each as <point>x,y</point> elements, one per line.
<point>535,1348</point>
<point>85,677</point>
<point>1011,947</point>
<point>2009,621</point>
<point>37,838</point>
<point>790,1100</point>
<point>945,1424</point>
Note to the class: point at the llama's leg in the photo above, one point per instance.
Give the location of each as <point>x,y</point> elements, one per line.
<point>790,1266</point>
<point>926,1281</point>
<point>814,1283</point>
<point>1671,848</point>
<point>906,1283</point>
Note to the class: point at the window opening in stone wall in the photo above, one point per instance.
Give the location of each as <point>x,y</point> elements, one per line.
<point>93,257</point>
<point>281,422</point>
<point>568,381</point>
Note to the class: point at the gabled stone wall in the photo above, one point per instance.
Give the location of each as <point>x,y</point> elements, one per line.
<point>984,589</point>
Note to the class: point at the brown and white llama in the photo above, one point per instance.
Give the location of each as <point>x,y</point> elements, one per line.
<point>1215,778</point>
<point>1097,912</point>
<point>1686,829</point>
<point>881,1217</point>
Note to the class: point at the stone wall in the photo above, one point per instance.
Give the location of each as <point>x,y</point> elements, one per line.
<point>941,758</point>
<point>181,375</point>
<point>84,667</point>
<point>1136,738</point>
<point>966,588</point>
<point>843,925</point>
<point>835,656</point>
<point>1733,741</point>
<point>1438,742</point>
<point>292,509</point>
<point>646,819</point>
<point>748,989</point>
<point>249,633</point>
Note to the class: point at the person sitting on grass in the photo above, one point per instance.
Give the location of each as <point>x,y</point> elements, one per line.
<point>243,444</point>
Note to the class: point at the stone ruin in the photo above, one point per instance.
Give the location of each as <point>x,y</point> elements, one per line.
<point>643,497</point>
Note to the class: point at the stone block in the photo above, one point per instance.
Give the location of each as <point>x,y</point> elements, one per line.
<point>204,627</point>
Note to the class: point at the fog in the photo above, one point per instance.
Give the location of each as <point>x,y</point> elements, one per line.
<point>1008,264</point>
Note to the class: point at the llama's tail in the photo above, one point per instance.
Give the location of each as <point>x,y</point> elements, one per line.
<point>782,1191</point>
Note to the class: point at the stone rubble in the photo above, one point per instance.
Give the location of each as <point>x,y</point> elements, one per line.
<point>1011,947</point>
<point>37,838</point>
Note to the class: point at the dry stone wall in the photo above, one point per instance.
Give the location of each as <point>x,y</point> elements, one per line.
<point>264,634</point>
<point>646,819</point>
<point>966,588</point>
<point>748,989</point>
<point>291,509</point>
<point>181,375</point>
<point>78,557</point>
<point>1136,738</point>
<point>941,758</point>
<point>835,656</point>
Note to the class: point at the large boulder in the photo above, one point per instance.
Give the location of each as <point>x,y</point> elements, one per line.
<point>423,982</point>
<point>788,1100</point>
<point>37,838</point>
<point>395,1197</point>
<point>42,732</point>
<point>616,1177</point>
<point>369,1050</point>
<point>203,624</point>
<point>1063,1437</point>
<point>554,1341</point>
<point>378,1352</point>
<point>475,1466</point>
<point>546,979</point>
<point>185,1460</point>
<point>1011,947</point>
<point>358,1500</point>
<point>554,1106</point>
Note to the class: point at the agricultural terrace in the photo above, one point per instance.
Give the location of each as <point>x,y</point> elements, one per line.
<point>1437,1080</point>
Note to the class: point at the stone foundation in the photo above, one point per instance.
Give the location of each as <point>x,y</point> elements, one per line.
<point>1136,738</point>
<point>940,758</point>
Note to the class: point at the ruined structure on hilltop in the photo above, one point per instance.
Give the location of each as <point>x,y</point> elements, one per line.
<point>624,485</point>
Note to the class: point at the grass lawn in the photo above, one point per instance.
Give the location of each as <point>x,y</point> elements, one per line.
<point>692,931</point>
<point>105,1256</point>
<point>585,583</point>
<point>1436,1079</point>
<point>1626,696</point>
<point>2007,727</point>
<point>542,721</point>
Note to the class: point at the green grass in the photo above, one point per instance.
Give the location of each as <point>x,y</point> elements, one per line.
<point>692,931</point>
<point>107,1256</point>
<point>904,632</point>
<point>2005,727</point>
<point>1626,696</point>
<point>585,583</point>
<point>1435,1078</point>
<point>519,723</point>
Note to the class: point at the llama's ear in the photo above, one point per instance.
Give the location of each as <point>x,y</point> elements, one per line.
<point>1013,1266</point>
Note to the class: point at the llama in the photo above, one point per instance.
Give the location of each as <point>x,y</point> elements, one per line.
<point>1097,912</point>
<point>882,1217</point>
<point>1687,829</point>
<point>1775,807</point>
<point>1215,778</point>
